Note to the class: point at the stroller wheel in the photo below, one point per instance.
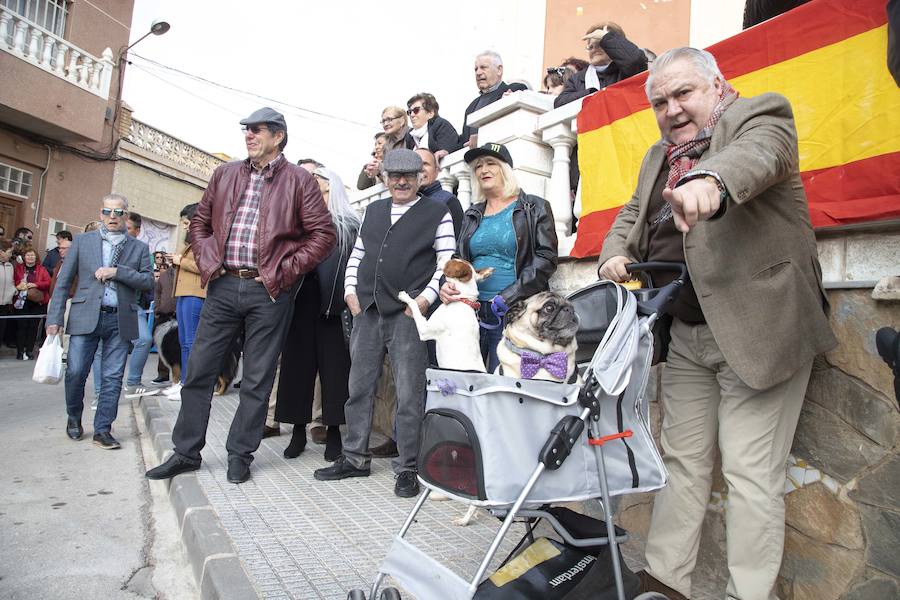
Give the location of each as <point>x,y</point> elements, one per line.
<point>390,594</point>
<point>651,596</point>
<point>356,595</point>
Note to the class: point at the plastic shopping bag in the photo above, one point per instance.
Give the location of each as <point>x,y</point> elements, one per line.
<point>48,368</point>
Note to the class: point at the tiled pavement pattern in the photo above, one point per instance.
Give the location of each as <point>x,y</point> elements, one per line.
<point>305,539</point>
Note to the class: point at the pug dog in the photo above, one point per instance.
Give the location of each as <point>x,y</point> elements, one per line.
<point>539,339</point>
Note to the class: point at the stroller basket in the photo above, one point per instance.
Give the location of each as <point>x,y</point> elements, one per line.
<point>482,435</point>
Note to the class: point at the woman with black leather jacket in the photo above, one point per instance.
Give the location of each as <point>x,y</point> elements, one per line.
<point>509,231</point>
<point>315,345</point>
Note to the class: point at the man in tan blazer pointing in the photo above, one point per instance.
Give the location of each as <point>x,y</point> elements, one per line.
<point>721,191</point>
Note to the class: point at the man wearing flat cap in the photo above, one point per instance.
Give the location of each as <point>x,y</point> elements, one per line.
<point>402,245</point>
<point>261,225</point>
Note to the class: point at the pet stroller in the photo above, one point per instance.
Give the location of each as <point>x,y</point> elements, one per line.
<point>482,444</point>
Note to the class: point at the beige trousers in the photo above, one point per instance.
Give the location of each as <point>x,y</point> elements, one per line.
<point>273,400</point>
<point>704,402</point>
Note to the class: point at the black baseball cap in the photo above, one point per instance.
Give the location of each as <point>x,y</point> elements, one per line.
<point>498,151</point>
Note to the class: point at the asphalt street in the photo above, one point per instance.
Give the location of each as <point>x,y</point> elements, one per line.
<point>77,521</point>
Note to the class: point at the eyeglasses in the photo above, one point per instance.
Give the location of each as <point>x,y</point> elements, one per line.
<point>415,110</point>
<point>118,212</point>
<point>255,129</point>
<point>399,176</point>
<point>387,120</point>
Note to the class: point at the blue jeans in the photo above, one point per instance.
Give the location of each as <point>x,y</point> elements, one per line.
<point>187,313</point>
<point>140,350</point>
<point>81,354</point>
<point>97,368</point>
<point>489,338</point>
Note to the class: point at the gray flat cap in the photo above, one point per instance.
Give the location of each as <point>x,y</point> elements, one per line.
<point>265,115</point>
<point>402,161</point>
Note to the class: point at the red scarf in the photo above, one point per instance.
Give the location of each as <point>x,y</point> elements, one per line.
<point>685,156</point>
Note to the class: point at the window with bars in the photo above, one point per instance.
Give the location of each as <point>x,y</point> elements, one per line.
<point>15,181</point>
<point>49,14</point>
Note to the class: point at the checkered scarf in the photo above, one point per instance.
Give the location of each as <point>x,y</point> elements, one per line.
<point>682,158</point>
<point>116,239</point>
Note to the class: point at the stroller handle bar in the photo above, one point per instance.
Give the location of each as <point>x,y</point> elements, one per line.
<point>662,297</point>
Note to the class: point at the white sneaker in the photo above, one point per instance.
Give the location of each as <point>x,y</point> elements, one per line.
<point>138,390</point>
<point>174,392</point>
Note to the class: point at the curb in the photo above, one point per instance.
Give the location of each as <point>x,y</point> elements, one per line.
<point>217,569</point>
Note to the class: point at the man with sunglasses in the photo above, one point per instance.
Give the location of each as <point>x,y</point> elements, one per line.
<point>613,57</point>
<point>111,268</point>
<point>402,245</point>
<point>261,225</point>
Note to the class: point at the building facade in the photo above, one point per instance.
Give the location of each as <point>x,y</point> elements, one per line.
<point>60,83</point>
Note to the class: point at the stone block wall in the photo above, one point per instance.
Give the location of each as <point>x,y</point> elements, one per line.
<point>842,538</point>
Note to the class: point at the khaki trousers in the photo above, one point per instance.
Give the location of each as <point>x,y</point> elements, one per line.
<point>705,402</point>
<point>273,398</point>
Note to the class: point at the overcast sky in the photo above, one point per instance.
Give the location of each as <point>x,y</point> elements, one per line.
<point>346,58</point>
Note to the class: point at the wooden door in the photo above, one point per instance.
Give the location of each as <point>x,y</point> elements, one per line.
<point>9,216</point>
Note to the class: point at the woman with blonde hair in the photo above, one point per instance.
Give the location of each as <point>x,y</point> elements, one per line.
<point>396,129</point>
<point>509,231</point>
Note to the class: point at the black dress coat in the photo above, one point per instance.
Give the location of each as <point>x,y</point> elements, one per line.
<point>314,346</point>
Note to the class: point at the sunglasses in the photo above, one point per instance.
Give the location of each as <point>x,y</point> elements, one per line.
<point>118,212</point>
<point>561,71</point>
<point>255,129</point>
<point>414,110</point>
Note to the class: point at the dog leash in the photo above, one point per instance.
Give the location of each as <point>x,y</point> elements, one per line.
<point>499,308</point>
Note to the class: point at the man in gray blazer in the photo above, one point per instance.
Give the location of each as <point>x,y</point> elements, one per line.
<point>110,267</point>
<point>721,191</point>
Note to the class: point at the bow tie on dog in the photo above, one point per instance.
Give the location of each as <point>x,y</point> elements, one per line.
<point>555,363</point>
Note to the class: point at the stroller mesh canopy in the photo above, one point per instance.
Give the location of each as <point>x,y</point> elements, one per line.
<point>596,306</point>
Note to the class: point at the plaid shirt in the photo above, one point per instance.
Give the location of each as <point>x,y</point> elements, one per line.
<point>242,247</point>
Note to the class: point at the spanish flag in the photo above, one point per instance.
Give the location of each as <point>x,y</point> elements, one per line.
<point>829,57</point>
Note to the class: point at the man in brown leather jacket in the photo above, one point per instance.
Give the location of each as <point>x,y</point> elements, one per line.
<point>261,225</point>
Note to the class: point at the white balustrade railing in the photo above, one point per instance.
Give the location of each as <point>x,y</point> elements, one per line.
<point>171,148</point>
<point>540,140</point>
<point>50,52</point>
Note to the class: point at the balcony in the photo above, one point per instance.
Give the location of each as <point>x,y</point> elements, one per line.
<point>51,87</point>
<point>48,51</point>
<point>539,137</point>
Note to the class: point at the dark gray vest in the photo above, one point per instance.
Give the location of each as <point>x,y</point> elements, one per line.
<point>399,257</point>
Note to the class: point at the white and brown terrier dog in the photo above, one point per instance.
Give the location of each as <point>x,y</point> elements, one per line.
<point>454,326</point>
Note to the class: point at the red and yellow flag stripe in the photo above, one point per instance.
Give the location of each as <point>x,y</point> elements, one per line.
<point>829,59</point>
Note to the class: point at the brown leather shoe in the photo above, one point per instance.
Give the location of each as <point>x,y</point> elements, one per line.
<point>271,431</point>
<point>649,583</point>
<point>385,450</point>
<point>317,434</point>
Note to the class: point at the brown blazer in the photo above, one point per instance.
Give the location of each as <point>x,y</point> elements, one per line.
<point>755,269</point>
<point>187,278</point>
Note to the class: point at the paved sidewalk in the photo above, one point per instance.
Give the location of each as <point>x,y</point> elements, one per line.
<point>304,539</point>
